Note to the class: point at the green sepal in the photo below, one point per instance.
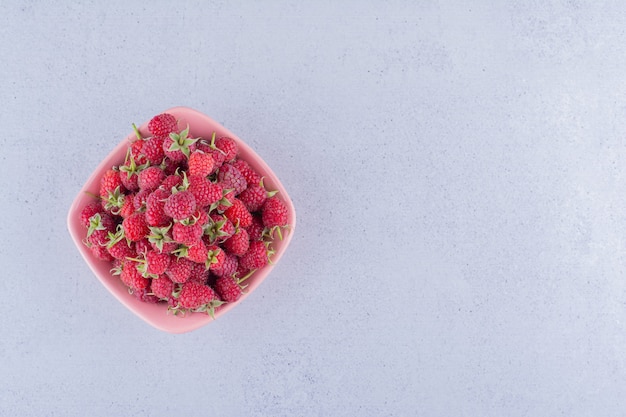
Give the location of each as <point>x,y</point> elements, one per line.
<point>95,223</point>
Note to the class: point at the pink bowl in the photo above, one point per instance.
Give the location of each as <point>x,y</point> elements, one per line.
<point>156,314</point>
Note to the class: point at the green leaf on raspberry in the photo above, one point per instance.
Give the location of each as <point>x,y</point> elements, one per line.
<point>181,142</point>
<point>95,223</point>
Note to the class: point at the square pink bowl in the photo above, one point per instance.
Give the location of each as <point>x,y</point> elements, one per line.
<point>156,314</point>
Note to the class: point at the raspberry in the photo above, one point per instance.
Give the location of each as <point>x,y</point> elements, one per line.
<point>178,146</point>
<point>88,211</point>
<point>181,205</point>
<point>128,205</point>
<point>228,147</point>
<point>238,214</point>
<point>155,212</point>
<point>162,287</point>
<point>200,164</point>
<point>135,227</point>
<point>142,247</point>
<point>194,296</point>
<point>162,124</point>
<point>256,257</point>
<point>274,213</point>
<point>215,257</point>
<point>179,270</point>
<point>110,182</point>
<point>186,233</point>
<point>229,267</point>
<point>139,200</point>
<point>198,252</point>
<point>121,249</point>
<point>146,296</point>
<point>226,200</point>
<point>131,276</point>
<point>251,176</point>
<point>253,197</point>
<point>204,191</point>
<point>256,228</point>
<point>171,181</point>
<point>153,150</point>
<point>230,177</point>
<point>156,262</point>
<point>199,274</point>
<point>238,243</point>
<point>150,178</point>
<point>136,149</point>
<point>228,288</point>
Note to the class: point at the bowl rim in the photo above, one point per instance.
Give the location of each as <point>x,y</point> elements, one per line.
<point>146,311</point>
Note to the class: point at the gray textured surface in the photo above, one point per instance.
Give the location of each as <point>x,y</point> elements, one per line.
<point>458,172</point>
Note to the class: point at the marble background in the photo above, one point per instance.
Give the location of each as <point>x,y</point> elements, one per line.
<point>458,174</point>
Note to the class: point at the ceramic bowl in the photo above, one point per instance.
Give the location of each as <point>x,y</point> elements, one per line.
<point>157,314</point>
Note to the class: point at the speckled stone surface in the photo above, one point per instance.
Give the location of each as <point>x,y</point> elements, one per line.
<point>459,173</point>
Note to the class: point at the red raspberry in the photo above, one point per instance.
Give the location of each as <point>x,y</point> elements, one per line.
<point>131,276</point>
<point>231,178</point>
<point>139,200</point>
<point>194,296</point>
<point>180,205</point>
<point>256,257</point>
<point>226,200</point>
<point>178,146</point>
<point>238,214</point>
<point>198,252</point>
<point>215,258</point>
<point>186,233</point>
<point>238,243</point>
<point>153,150</point>
<point>129,174</point>
<point>128,205</point>
<point>251,176</point>
<point>229,267</point>
<point>200,164</point>
<point>170,166</point>
<point>204,191</point>
<point>88,211</point>
<point>156,262</point>
<point>274,213</point>
<point>142,247</point>
<point>199,273</point>
<point>253,197</point>
<point>201,217</point>
<point>256,228</point>
<point>228,288</point>
<point>121,249</point>
<point>171,181</point>
<point>162,124</point>
<point>110,182</point>
<point>146,296</point>
<point>228,146</point>
<point>162,287</point>
<point>218,156</point>
<point>101,252</point>
<point>150,178</point>
<point>135,227</point>
<point>155,213</point>
<point>179,270</point>
<point>136,152</point>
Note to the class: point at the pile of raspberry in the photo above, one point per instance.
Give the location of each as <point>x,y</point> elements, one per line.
<point>183,221</point>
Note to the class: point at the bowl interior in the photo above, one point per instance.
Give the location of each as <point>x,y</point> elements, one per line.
<point>156,314</point>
